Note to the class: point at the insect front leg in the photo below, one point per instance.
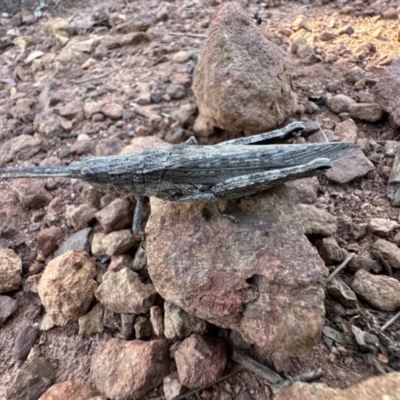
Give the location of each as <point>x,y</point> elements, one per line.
<point>245,185</point>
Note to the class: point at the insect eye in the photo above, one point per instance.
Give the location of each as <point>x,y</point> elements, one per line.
<point>85,171</point>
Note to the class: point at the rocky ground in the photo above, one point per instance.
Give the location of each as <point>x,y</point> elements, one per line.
<point>85,308</point>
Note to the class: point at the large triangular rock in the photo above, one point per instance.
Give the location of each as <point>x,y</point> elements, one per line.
<point>242,81</point>
<point>260,277</point>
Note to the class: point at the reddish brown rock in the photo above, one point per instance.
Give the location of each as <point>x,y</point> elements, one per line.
<point>370,112</point>
<point>9,207</point>
<point>109,147</point>
<point>22,147</point>
<point>128,370</point>
<point>48,239</point>
<point>73,110</point>
<point>47,124</point>
<point>388,251</point>
<point>67,287</point>
<point>347,130</point>
<point>117,215</point>
<point>200,360</point>
<point>7,307</point>
<point>123,292</point>
<point>31,193</point>
<point>225,281</point>
<point>69,390</point>
<point>10,270</point>
<point>379,387</point>
<point>383,292</point>
<point>112,110</point>
<point>242,81</point>
<point>387,89</point>
<point>304,190</point>
<point>330,251</point>
<point>351,167</point>
<point>316,221</point>
<point>80,216</point>
<point>381,226</point>
<point>31,380</point>
<point>119,242</point>
<point>340,291</point>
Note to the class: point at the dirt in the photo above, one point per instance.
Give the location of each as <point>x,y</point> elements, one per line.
<point>119,76</point>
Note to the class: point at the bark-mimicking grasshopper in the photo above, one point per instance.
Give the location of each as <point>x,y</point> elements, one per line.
<point>187,172</point>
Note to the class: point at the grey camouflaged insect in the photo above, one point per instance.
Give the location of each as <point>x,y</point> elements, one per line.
<point>189,172</point>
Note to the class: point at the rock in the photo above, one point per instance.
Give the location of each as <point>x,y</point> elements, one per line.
<point>347,131</point>
<point>80,216</point>
<point>47,124</point>
<point>370,112</point>
<point>379,387</point>
<point>67,286</point>
<point>24,342</point>
<point>85,46</point>
<point>391,148</point>
<point>387,88</point>
<point>178,324</point>
<point>303,49</point>
<point>143,328</point>
<point>330,251</point>
<point>48,239</point>
<point>225,287</point>
<point>121,261</point>
<point>340,291</point>
<point>119,242</point>
<point>127,326</point>
<point>73,111</point>
<point>123,292</point>
<point>91,196</point>
<point>180,57</point>
<point>316,221</point>
<point>363,262</point>
<point>9,207</point>
<point>172,387</point>
<point>304,190</point>
<point>340,103</point>
<point>300,23</point>
<point>34,378</point>
<point>128,370</point>
<point>129,39</point>
<point>112,110</point>
<point>388,251</point>
<point>351,167</point>
<point>92,322</point>
<point>184,113</point>
<point>390,13</point>
<point>200,360</point>
<point>109,147</point>
<point>383,292</point>
<point>69,390</point>
<point>117,215</point>
<point>8,306</point>
<point>156,320</point>
<point>90,108</point>
<point>59,28</point>
<point>203,127</point>
<point>381,226</point>
<point>258,95</point>
<point>140,260</point>
<point>31,193</point>
<point>176,92</point>
<point>10,270</point>
<point>22,147</point>
<point>79,241</point>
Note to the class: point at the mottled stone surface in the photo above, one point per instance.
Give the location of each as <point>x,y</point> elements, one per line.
<point>242,81</point>
<point>387,90</point>
<point>383,292</point>
<point>69,390</point>
<point>31,380</point>
<point>10,270</point>
<point>7,307</point>
<point>200,360</point>
<point>127,370</point>
<point>261,276</point>
<point>388,251</point>
<point>67,286</point>
<point>123,292</point>
<point>385,387</point>
<point>317,221</point>
<point>351,167</point>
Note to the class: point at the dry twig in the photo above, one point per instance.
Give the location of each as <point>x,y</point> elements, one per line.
<point>340,267</point>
